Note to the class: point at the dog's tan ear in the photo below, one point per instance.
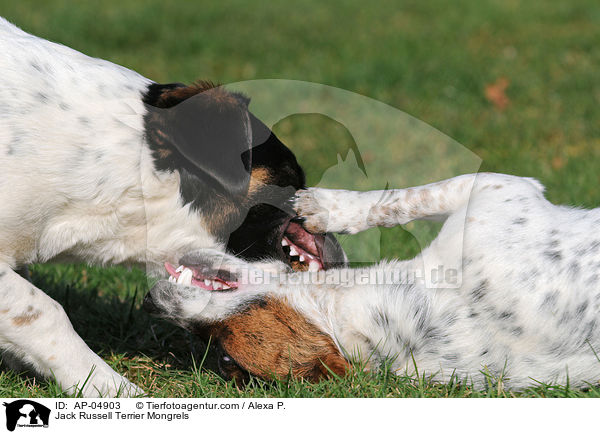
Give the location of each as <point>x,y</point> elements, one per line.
<point>333,363</point>
<point>270,339</point>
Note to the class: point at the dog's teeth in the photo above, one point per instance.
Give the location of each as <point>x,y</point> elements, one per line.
<point>217,286</point>
<point>284,242</point>
<point>179,269</point>
<point>207,282</point>
<point>293,251</point>
<point>185,278</point>
<point>302,258</point>
<point>225,286</point>
<point>313,266</point>
<point>172,279</point>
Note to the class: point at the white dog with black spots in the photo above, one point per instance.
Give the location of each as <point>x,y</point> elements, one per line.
<point>522,307</point>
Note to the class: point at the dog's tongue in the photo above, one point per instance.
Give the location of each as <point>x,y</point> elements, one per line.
<point>303,250</point>
<point>297,235</point>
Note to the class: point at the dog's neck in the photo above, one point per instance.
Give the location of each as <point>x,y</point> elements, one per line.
<point>370,320</point>
<point>148,225</point>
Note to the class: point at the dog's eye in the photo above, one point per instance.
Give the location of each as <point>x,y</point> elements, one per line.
<point>230,370</point>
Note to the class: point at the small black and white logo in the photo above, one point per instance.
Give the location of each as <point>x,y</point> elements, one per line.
<point>27,414</point>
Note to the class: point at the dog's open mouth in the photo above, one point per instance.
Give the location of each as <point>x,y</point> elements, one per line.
<point>190,275</point>
<point>303,250</point>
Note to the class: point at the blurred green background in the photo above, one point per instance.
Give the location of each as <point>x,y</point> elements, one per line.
<point>512,85</point>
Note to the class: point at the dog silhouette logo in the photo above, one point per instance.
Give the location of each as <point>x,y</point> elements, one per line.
<point>26,413</point>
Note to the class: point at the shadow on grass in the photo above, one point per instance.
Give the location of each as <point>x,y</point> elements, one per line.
<point>104,306</point>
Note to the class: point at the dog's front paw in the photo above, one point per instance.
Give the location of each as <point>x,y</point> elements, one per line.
<point>315,217</point>
<point>110,385</point>
<point>338,211</point>
<point>90,377</point>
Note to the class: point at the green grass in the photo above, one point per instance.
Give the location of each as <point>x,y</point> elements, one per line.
<point>429,60</point>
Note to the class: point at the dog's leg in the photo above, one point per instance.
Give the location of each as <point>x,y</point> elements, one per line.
<point>36,329</point>
<point>346,211</point>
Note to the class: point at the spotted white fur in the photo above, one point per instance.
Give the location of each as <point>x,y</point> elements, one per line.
<point>77,182</point>
<point>525,308</point>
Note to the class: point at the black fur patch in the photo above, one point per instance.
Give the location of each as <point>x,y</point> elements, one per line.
<point>582,308</point>
<point>553,255</point>
<point>479,291</point>
<point>381,318</point>
<point>206,134</point>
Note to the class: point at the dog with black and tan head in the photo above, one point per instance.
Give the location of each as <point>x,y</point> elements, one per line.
<point>103,166</point>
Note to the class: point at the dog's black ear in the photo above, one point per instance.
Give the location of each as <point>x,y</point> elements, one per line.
<point>203,129</point>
